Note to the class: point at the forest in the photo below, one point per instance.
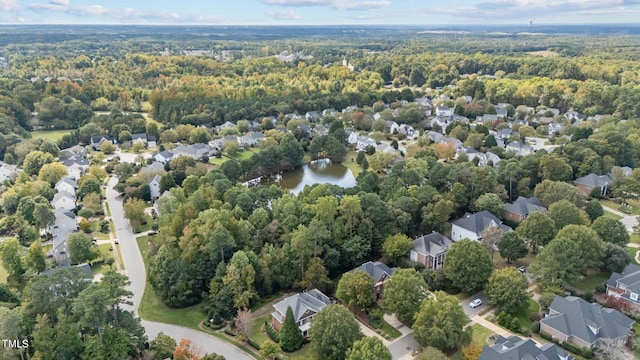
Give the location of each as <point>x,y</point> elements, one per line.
<point>228,247</point>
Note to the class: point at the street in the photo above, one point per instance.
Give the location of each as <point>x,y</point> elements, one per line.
<point>135,270</point>
<point>471,311</point>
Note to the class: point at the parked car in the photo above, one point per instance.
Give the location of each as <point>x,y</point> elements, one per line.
<point>522,269</point>
<point>475,303</point>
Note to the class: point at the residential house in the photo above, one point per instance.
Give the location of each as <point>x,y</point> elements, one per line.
<point>501,112</point>
<point>154,185</point>
<point>304,306</point>
<point>352,137</point>
<point>380,273</point>
<point>391,127</point>
<point>74,151</point>
<point>555,128</point>
<point>64,225</point>
<point>522,207</point>
<point>519,148</point>
<point>151,141</point>
<point>66,184</point>
<point>587,183</point>
<point>471,226</point>
<point>624,170</point>
<point>625,285</point>
<point>377,116</point>
<point>467,99</point>
<point>583,324</point>
<point>329,112</point>
<point>554,111</point>
<point>156,205</point>
<point>429,250</point>
<point>444,111</point>
<point>155,168</point>
<point>312,116</point>
<point>385,148</point>
<point>64,200</point>
<point>458,146</point>
<point>504,133</point>
<point>435,137</point>
<point>98,140</point>
<point>293,116</point>
<point>251,138</point>
<point>349,108</point>
<point>195,151</point>
<point>321,130</point>
<point>226,125</point>
<point>407,130</point>
<point>363,142</point>
<point>440,123</point>
<point>8,172</point>
<point>573,116</point>
<point>515,348</point>
<point>545,120</point>
<point>84,267</point>
<point>139,138</point>
<point>163,156</point>
<point>489,158</point>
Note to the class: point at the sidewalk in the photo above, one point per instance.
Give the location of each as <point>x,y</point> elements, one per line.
<point>393,321</point>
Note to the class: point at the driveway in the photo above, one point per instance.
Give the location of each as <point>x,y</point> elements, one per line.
<point>135,270</point>
<point>471,311</point>
<point>403,346</point>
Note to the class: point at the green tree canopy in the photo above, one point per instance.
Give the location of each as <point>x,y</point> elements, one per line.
<point>355,290</point>
<point>403,294</point>
<point>333,332</point>
<point>467,265</point>
<point>395,247</point>
<point>559,261</point>
<point>368,348</point>
<point>440,322</point>
<point>512,246</point>
<point>290,336</point>
<point>589,243</point>
<point>538,229</point>
<point>611,230</point>
<point>507,289</point>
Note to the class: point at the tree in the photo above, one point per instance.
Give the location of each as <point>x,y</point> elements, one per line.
<point>11,251</point>
<point>403,294</point>
<point>491,236</point>
<point>290,336</point>
<point>564,213</point>
<point>240,279</point>
<point>368,348</point>
<point>124,170</point>
<point>270,350</point>
<point>107,147</point>
<point>594,209</point>
<point>52,173</point>
<point>35,160</point>
<point>471,352</point>
<point>538,229</point>
<point>435,215</point>
<point>611,230</point>
<point>507,289</point>
<point>440,322</point>
<point>333,332</point>
<point>356,291</point>
<point>162,346</point>
<point>230,147</point>
<point>80,248</point>
<point>559,261</point>
<point>395,247</point>
<point>512,247</point>
<point>35,258</point>
<point>186,350</point>
<point>244,322</point>
<point>612,349</point>
<point>467,265</point>
<point>615,257</point>
<point>316,276</point>
<point>549,192</point>
<point>553,167</point>
<point>134,212</point>
<point>88,184</point>
<point>167,182</point>
<point>431,353</point>
<point>589,243</point>
<point>492,203</point>
<point>43,215</point>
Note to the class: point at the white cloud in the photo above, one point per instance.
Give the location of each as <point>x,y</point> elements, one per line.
<point>9,5</point>
<point>59,2</point>
<point>300,3</point>
<point>284,15</point>
<point>365,5</point>
<point>335,4</point>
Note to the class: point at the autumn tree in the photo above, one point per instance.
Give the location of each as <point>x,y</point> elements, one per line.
<point>467,265</point>
<point>186,350</point>
<point>440,322</point>
<point>491,236</point>
<point>356,291</point>
<point>244,322</point>
<point>134,211</point>
<point>52,173</point>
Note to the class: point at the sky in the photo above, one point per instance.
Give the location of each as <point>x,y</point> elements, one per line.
<point>319,12</point>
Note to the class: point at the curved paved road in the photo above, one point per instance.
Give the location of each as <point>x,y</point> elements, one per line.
<point>135,270</point>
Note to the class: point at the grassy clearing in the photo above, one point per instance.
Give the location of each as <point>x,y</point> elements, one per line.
<point>523,314</point>
<point>105,254</point>
<point>611,215</point>
<point>350,162</point>
<point>589,283</point>
<point>386,328</point>
<point>153,309</point>
<point>257,334</point>
<point>112,226</point>
<point>119,250</point>
<point>634,204</point>
<point>108,210</point>
<point>632,252</point>
<point>479,337</point>
<point>499,262</point>
<point>3,275</point>
<point>305,353</point>
<point>635,238</point>
<point>52,135</point>
<point>145,227</point>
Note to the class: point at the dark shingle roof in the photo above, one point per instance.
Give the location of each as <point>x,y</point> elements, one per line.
<point>593,180</point>
<point>308,301</point>
<point>525,206</point>
<point>589,322</point>
<point>515,348</point>
<point>377,270</point>
<point>432,244</point>
<point>479,221</point>
<point>630,278</point>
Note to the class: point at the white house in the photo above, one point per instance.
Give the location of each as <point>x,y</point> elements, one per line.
<point>163,156</point>
<point>555,127</point>
<point>391,127</point>
<point>352,137</point>
<point>470,226</point>
<point>139,138</point>
<point>519,148</point>
<point>7,172</point>
<point>66,184</point>
<point>251,138</point>
<point>64,200</point>
<point>363,142</point>
<point>154,185</point>
<point>444,111</point>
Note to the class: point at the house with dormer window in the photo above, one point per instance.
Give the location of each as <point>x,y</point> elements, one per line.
<point>304,305</point>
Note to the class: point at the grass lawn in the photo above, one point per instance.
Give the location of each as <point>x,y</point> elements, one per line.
<point>350,162</point>
<point>3,275</point>
<point>106,205</point>
<point>147,226</point>
<point>523,314</point>
<point>53,135</point>
<point>119,250</point>
<point>611,215</point>
<point>303,354</point>
<point>479,337</point>
<point>105,253</point>
<point>635,238</point>
<point>257,334</point>
<point>100,236</point>
<point>589,283</point>
<point>632,252</point>
<point>501,262</point>
<point>391,332</point>
<point>635,204</point>
<point>153,309</point>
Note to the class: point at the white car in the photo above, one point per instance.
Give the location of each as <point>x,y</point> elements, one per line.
<point>475,303</point>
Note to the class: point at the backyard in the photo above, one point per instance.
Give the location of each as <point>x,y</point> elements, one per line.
<point>479,336</point>
<point>589,283</point>
<point>102,265</point>
<point>52,135</point>
<point>523,314</point>
<point>633,203</point>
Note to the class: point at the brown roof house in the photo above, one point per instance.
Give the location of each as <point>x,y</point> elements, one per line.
<point>380,273</point>
<point>626,285</point>
<point>586,184</point>
<point>429,250</point>
<point>584,324</point>
<point>304,305</point>
<point>522,207</point>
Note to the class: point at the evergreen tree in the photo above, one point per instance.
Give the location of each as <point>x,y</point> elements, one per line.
<point>290,336</point>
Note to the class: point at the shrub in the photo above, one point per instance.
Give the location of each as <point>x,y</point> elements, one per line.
<point>216,318</point>
<point>586,353</point>
<point>535,327</point>
<point>271,332</point>
<point>588,296</point>
<point>514,325</point>
<point>229,332</point>
<point>545,336</point>
<point>217,327</point>
<point>601,289</point>
<point>534,317</point>
<point>525,331</point>
<point>570,347</point>
<point>253,344</point>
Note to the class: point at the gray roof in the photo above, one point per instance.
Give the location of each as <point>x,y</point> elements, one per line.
<point>165,154</point>
<point>630,278</point>
<point>593,180</point>
<point>377,270</point>
<point>525,206</point>
<point>156,179</point>
<point>140,136</point>
<point>515,348</point>
<point>67,180</point>
<point>574,316</point>
<point>83,266</point>
<point>61,194</point>
<point>156,166</point>
<point>309,301</point>
<point>479,221</point>
<point>78,160</point>
<point>432,244</point>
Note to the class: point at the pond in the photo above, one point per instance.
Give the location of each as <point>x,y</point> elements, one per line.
<point>315,172</point>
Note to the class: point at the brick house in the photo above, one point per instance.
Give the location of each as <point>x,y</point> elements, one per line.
<point>380,273</point>
<point>522,207</point>
<point>514,347</point>
<point>583,324</point>
<point>429,250</point>
<point>304,305</point>
<point>625,285</point>
<point>587,183</point>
